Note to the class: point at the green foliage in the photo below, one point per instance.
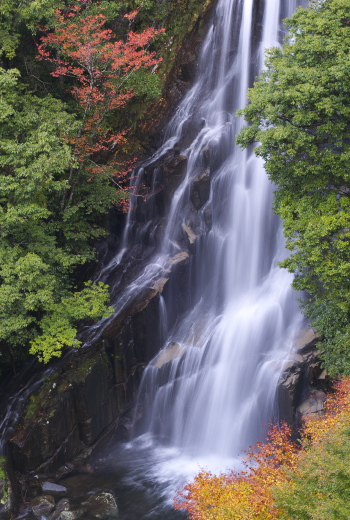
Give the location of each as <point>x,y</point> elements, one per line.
<point>52,199</point>
<point>14,14</point>
<point>321,483</point>
<point>57,327</point>
<point>300,114</point>
<point>39,244</point>
<point>145,84</point>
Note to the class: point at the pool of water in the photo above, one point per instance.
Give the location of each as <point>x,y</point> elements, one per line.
<point>144,476</point>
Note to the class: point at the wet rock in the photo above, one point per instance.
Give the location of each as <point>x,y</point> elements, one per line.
<point>71,515</point>
<point>180,257</point>
<point>62,505</point>
<point>87,468</point>
<point>54,489</point>
<point>65,470</point>
<point>172,351</point>
<point>190,233</point>
<point>313,405</point>
<point>305,340</point>
<point>200,189</point>
<point>301,370</point>
<point>42,506</point>
<point>102,505</point>
<point>289,390</point>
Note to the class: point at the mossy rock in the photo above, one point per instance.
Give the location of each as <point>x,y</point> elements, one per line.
<point>8,498</point>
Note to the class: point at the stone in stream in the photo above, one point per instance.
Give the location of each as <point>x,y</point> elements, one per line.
<point>54,489</point>
<point>101,505</point>
<point>71,515</point>
<point>63,505</point>
<point>42,506</point>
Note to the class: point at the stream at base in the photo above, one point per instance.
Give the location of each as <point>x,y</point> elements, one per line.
<point>144,476</point>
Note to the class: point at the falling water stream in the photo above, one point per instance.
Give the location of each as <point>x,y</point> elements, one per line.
<point>207,394</point>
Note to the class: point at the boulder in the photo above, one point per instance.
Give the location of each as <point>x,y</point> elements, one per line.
<point>172,351</point>
<point>200,189</point>
<point>102,505</point>
<point>54,489</point>
<point>42,506</point>
<point>312,406</point>
<point>301,370</point>
<point>71,515</point>
<point>62,505</point>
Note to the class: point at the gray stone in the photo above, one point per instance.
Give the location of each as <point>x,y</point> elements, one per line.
<point>172,351</point>
<point>53,489</point>
<point>305,339</point>
<point>313,405</point>
<point>101,505</point>
<point>42,506</point>
<point>62,505</point>
<point>71,515</point>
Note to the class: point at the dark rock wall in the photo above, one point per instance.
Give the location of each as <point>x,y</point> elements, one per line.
<point>303,382</point>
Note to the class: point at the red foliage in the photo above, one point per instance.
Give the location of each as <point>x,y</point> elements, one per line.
<point>82,48</point>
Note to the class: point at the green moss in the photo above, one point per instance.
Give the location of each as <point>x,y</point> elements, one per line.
<point>3,473</point>
<point>4,479</point>
<point>42,398</point>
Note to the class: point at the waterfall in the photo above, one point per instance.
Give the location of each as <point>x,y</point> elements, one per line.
<point>227,351</point>
<point>207,394</point>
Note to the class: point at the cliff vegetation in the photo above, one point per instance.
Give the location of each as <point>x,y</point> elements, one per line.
<point>76,78</point>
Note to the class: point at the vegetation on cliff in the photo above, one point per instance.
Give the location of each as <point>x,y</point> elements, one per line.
<point>299,113</point>
<point>62,152</point>
<point>284,480</point>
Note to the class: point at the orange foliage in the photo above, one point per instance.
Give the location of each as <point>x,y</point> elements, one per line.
<point>337,412</point>
<point>246,494</point>
<point>250,494</point>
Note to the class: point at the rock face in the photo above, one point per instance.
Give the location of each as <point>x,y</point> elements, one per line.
<point>299,391</point>
<point>94,390</point>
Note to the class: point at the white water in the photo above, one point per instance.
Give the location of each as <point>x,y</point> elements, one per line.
<point>210,402</point>
<point>215,397</point>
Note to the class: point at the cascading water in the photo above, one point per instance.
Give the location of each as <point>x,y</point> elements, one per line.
<point>212,387</point>
<point>228,349</point>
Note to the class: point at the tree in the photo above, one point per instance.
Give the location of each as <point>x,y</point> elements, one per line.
<point>82,48</point>
<point>318,487</point>
<point>14,13</point>
<point>247,494</point>
<point>38,249</point>
<point>55,172</point>
<point>299,114</point>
